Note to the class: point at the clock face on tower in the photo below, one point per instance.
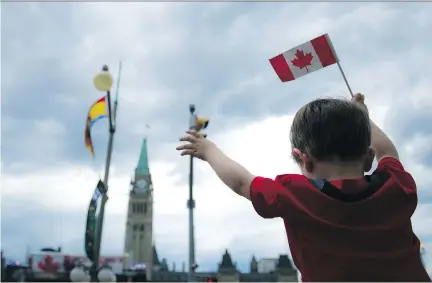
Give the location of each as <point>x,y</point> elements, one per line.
<point>141,185</point>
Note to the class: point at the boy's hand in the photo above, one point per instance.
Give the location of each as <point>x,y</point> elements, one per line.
<point>198,145</point>
<point>359,99</point>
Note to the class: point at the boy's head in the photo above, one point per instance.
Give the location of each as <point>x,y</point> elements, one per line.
<point>332,132</point>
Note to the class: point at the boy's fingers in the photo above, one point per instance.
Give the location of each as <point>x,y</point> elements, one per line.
<point>187,152</point>
<point>190,139</point>
<point>358,97</point>
<point>186,146</point>
<point>194,133</point>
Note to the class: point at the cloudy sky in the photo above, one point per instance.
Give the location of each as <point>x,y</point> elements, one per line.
<point>216,56</point>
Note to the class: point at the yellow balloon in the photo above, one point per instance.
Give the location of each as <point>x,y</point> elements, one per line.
<point>103,81</point>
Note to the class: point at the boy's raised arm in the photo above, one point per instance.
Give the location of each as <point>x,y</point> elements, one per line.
<point>380,143</point>
<point>262,192</point>
<point>230,172</point>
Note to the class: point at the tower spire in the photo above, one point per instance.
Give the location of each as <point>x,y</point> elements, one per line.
<point>143,167</point>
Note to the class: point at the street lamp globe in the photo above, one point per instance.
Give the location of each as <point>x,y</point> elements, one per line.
<point>106,275</point>
<point>103,81</point>
<point>78,274</point>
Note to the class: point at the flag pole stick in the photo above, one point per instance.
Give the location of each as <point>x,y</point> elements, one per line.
<point>100,218</point>
<point>117,92</point>
<point>345,79</point>
<point>339,65</point>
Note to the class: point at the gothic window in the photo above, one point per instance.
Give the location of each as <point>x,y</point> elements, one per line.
<point>142,227</point>
<point>135,227</point>
<point>139,207</point>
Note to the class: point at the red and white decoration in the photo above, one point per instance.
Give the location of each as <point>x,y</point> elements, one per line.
<point>49,264</point>
<point>304,59</point>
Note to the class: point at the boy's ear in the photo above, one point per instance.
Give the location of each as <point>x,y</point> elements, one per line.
<point>304,158</point>
<point>370,156</point>
<point>297,153</point>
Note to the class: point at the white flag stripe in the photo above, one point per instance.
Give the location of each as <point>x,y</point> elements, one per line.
<point>304,49</point>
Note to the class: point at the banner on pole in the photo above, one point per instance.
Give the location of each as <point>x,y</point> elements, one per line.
<point>90,232</point>
<point>97,111</point>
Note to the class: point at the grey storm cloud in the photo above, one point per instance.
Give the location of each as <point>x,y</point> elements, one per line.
<point>415,122</point>
<point>205,73</point>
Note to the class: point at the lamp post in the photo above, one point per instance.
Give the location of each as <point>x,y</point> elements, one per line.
<point>79,274</point>
<point>191,205</point>
<point>103,82</point>
<point>196,124</point>
<point>106,274</point>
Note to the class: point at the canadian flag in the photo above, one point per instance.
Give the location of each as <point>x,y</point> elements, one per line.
<point>304,59</point>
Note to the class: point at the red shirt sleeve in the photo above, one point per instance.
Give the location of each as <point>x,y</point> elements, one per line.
<point>264,194</point>
<point>390,163</point>
<point>395,169</point>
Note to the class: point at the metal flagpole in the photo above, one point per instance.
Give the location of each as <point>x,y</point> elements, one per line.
<point>100,218</point>
<point>338,63</point>
<point>191,206</point>
<point>117,93</point>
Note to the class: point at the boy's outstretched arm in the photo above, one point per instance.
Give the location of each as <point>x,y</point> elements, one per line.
<point>262,192</point>
<point>230,172</point>
<point>380,143</point>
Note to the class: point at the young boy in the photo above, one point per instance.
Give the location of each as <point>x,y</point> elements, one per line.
<point>341,225</point>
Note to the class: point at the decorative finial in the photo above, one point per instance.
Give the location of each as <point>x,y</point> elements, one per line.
<point>192,108</point>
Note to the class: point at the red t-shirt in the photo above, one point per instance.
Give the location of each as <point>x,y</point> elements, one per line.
<point>347,230</point>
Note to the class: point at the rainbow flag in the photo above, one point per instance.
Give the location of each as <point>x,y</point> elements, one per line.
<point>97,111</point>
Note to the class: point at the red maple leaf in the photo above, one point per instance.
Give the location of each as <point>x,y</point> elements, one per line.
<point>302,59</point>
<point>48,265</point>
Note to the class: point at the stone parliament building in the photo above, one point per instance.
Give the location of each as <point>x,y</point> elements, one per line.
<point>139,246</point>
